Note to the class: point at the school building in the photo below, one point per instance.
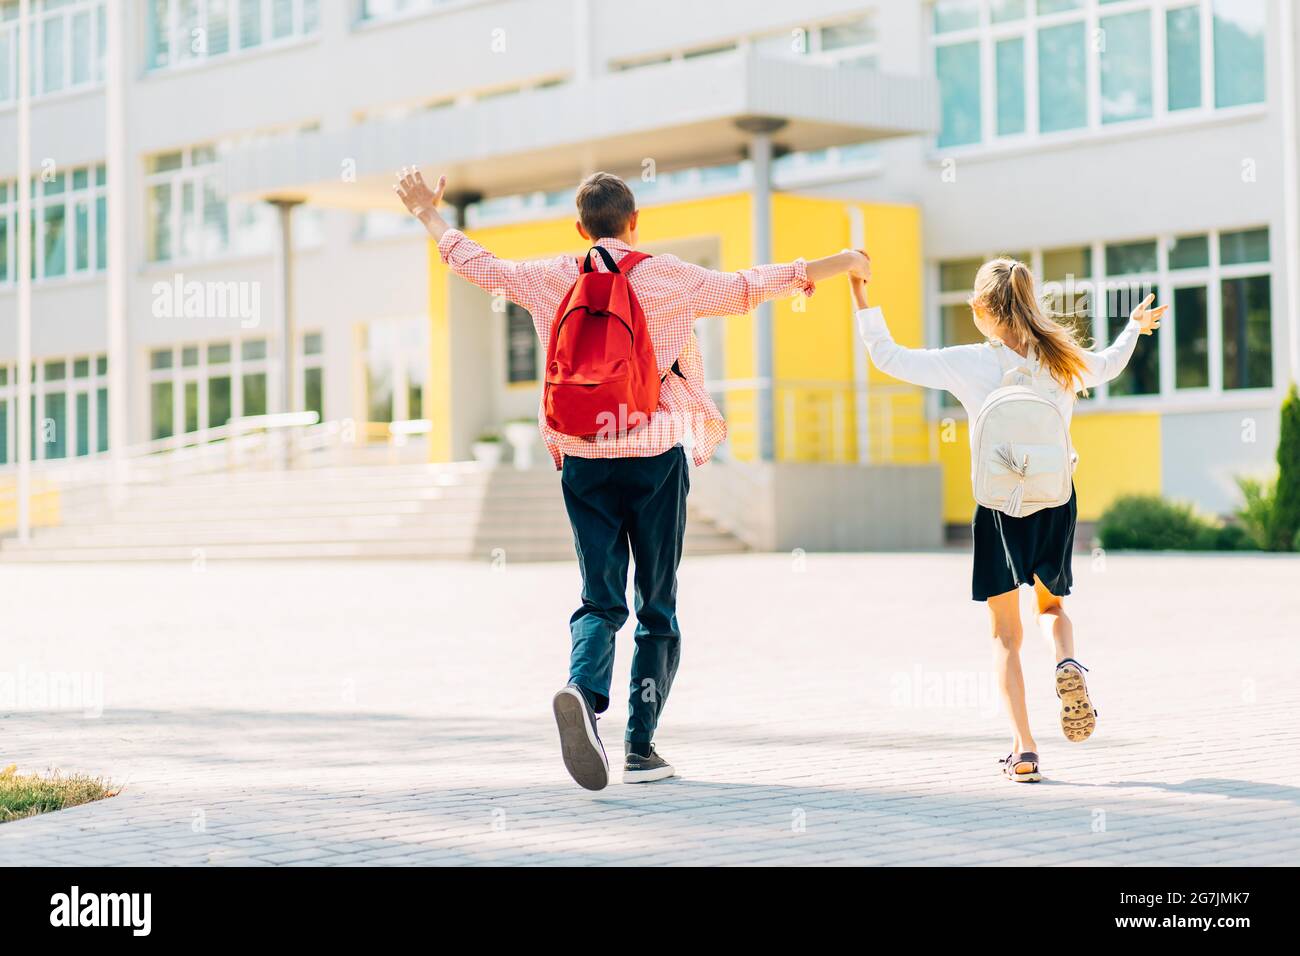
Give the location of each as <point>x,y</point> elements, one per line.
<point>1117,146</point>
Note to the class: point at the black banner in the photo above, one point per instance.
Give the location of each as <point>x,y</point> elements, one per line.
<point>303,905</point>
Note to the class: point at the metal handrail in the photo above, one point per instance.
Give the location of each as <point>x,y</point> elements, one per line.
<point>253,441</point>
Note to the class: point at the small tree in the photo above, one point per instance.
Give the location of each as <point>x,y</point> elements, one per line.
<point>1286,501</point>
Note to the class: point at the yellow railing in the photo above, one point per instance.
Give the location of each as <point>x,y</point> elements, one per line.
<point>833,422</point>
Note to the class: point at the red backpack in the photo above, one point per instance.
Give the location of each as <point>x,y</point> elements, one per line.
<point>601,375</point>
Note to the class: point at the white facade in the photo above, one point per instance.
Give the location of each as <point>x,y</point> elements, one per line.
<point>1140,161</point>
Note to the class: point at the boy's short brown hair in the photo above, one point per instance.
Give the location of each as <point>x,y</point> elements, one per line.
<point>605,205</point>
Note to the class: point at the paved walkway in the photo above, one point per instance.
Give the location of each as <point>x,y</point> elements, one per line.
<point>831,710</point>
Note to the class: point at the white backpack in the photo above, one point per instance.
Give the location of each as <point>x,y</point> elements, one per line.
<point>1021,457</point>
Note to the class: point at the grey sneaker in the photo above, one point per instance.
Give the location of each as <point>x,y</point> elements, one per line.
<point>639,769</point>
<point>584,754</point>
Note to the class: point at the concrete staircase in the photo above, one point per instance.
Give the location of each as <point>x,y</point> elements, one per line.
<point>456,511</point>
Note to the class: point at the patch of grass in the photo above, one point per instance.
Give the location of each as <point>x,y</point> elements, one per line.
<point>27,794</point>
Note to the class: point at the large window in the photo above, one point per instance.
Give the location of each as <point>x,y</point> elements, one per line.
<point>392,359</point>
<point>201,385</point>
<point>521,346</point>
<point>190,31</point>
<point>1025,68</point>
<point>69,224</point>
<point>67,46</point>
<point>1219,333</point>
<point>187,215</point>
<point>69,408</point>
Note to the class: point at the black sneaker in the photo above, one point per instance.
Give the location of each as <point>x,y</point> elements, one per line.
<point>584,755</point>
<point>639,769</point>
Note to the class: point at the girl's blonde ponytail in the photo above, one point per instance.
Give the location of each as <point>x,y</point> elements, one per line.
<point>1005,289</point>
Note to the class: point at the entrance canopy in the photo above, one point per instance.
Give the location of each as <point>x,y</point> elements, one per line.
<point>692,113</point>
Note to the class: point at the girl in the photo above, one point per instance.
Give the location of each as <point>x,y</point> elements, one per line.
<point>1033,550</point>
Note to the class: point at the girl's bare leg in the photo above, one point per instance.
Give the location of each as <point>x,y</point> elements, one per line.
<point>1004,615</point>
<point>1053,621</point>
<point>1078,717</point>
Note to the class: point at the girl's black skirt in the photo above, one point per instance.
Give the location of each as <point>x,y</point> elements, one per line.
<point>1010,551</point>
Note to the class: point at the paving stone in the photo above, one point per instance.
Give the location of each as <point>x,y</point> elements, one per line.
<point>397,713</point>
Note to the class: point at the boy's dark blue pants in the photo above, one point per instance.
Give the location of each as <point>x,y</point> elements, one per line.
<point>617,506</point>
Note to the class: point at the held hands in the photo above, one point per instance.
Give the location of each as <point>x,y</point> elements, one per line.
<point>1147,318</point>
<point>860,268</point>
<point>859,277</point>
<point>415,193</point>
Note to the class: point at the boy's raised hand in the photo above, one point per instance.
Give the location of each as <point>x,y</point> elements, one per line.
<point>1147,318</point>
<point>415,193</point>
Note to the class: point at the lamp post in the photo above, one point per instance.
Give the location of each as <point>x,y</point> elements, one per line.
<point>116,173</point>
<point>760,130</point>
<point>285,206</point>
<point>23,410</point>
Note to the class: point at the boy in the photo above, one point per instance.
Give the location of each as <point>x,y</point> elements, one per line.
<point>625,492</point>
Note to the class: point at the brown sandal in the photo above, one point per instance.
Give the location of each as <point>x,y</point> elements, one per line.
<point>1078,718</point>
<point>1021,767</point>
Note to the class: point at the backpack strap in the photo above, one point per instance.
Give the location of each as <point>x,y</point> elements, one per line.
<point>604,254</point>
<point>624,266</point>
<point>630,260</point>
<point>1012,366</point>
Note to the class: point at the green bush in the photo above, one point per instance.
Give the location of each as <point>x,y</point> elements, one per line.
<point>1148,522</point>
<point>1285,525</point>
<point>1229,537</point>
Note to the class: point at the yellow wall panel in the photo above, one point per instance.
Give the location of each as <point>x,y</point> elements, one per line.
<point>1118,455</point>
<point>440,408</point>
<point>815,339</point>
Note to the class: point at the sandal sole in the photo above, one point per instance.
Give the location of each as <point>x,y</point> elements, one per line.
<point>1032,776</point>
<point>1078,718</point>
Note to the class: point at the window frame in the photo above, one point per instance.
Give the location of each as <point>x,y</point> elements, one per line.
<point>196,175</point>
<point>298,33</point>
<point>1091,12</point>
<point>40,16</point>
<point>202,373</point>
<point>308,222</point>
<point>309,361</point>
<point>92,193</point>
<point>1164,280</point>
<point>70,385</point>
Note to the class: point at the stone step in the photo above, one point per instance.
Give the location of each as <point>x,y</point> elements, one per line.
<point>221,510</point>
<point>160,500</point>
<point>413,510</point>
